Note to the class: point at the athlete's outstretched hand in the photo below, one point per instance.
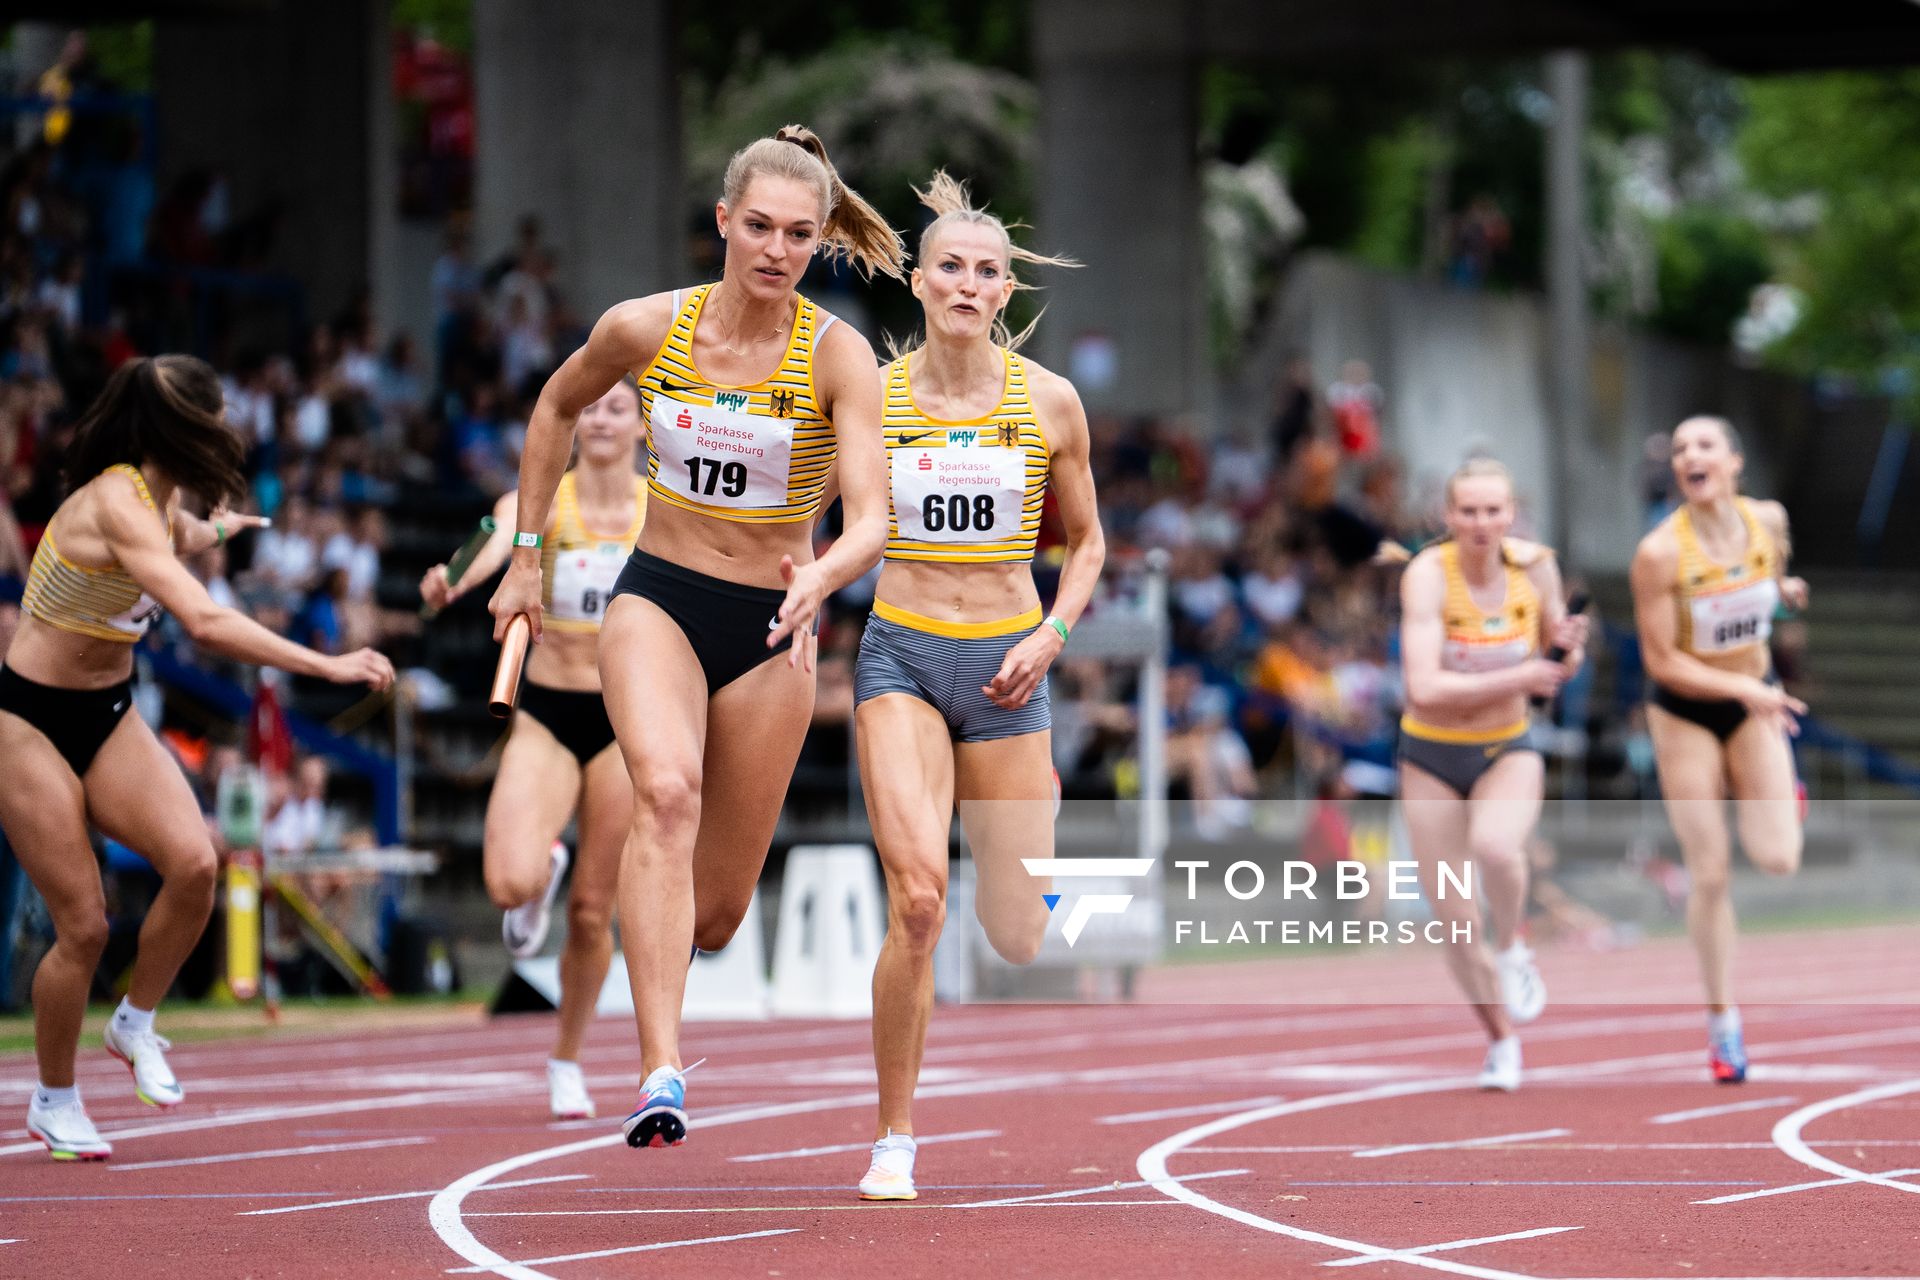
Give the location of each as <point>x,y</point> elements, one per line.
<point>1793,593</point>
<point>1024,667</point>
<point>362,666</point>
<point>1771,703</point>
<point>518,592</point>
<point>806,592</point>
<point>234,522</point>
<point>435,591</point>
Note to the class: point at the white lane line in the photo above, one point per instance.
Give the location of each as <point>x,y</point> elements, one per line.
<point>409,1195</point>
<point>1494,1140</point>
<point>842,1207</point>
<point>1701,1113</point>
<point>319,1150</point>
<point>632,1248</point>
<point>444,1214</point>
<point>263,1115</point>
<point>1094,1190</point>
<point>1843,1144</point>
<point>969,1136</point>
<point>1152,1165</point>
<point>1401,1255</point>
<point>1801,1186</point>
<point>1201,1109</point>
<point>1786,1134</point>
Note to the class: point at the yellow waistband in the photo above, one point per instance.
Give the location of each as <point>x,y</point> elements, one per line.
<point>1462,737</point>
<point>957,630</point>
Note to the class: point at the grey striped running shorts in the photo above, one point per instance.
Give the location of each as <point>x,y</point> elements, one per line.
<point>946,672</point>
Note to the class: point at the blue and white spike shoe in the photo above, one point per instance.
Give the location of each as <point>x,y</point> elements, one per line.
<point>661,1118</point>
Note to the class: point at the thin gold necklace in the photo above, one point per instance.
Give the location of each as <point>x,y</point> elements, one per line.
<point>741,351</point>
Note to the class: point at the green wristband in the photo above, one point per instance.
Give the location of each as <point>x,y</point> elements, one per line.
<point>1059,626</point>
<point>526,539</point>
<point>219,533</point>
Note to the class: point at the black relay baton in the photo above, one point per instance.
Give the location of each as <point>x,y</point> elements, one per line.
<point>1576,606</point>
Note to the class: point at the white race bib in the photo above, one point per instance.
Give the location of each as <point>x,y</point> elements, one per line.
<point>1735,619</point>
<point>1456,655</point>
<point>583,581</point>
<point>959,495</point>
<point>722,457</point>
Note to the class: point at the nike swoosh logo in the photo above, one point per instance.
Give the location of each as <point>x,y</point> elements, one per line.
<point>671,388</point>
<point>921,436</point>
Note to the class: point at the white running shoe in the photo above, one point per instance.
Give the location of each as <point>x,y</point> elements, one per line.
<point>67,1130</point>
<point>524,928</point>
<point>144,1052</point>
<point>890,1176</point>
<point>1501,1070</point>
<point>1521,986</point>
<point>567,1096</point>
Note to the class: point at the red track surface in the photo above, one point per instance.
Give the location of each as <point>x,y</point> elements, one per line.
<point>1282,1157</point>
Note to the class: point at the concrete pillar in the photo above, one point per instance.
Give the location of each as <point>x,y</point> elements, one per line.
<point>1569,322</point>
<point>280,100</point>
<point>576,119</point>
<point>1118,188</point>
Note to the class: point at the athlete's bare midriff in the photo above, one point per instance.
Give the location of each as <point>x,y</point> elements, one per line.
<point>959,592</point>
<point>45,654</point>
<point>726,549</point>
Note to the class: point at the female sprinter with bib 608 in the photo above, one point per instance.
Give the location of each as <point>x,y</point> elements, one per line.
<point>561,754</point>
<point>1706,582</point>
<point>107,564</point>
<point>752,395</point>
<point>1477,608</point>
<point>951,683</point>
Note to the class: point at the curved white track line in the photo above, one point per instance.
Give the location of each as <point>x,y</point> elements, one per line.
<point>1786,1134</point>
<point>1152,1165</point>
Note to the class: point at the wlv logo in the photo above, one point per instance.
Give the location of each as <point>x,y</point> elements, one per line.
<point>961,438</point>
<point>734,400</point>
<point>1086,906</point>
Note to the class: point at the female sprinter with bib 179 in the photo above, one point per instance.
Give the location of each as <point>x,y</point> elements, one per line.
<point>1476,610</point>
<point>951,685</point>
<point>560,756</point>
<point>107,564</point>
<point>1706,582</point>
<point>752,395</point>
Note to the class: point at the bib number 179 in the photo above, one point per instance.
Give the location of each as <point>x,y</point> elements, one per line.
<point>704,474</point>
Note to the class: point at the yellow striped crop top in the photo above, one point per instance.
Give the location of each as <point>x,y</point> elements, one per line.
<point>106,604</point>
<point>754,454</point>
<point>1726,608</point>
<point>578,565</point>
<point>964,492</point>
<point>1479,639</point>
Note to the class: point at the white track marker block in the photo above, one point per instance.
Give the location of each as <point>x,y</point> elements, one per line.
<point>832,917</point>
<point>730,984</point>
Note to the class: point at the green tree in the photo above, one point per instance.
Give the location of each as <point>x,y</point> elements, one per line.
<point>1843,143</point>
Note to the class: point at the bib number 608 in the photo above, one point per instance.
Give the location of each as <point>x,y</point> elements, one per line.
<point>957,512</point>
